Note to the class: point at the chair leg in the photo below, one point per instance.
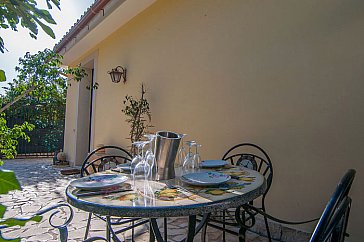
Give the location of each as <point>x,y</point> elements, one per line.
<point>267,228</point>
<point>224,226</point>
<point>240,218</point>
<point>108,223</point>
<point>88,225</point>
<point>242,234</point>
<point>132,232</point>
<point>242,230</point>
<point>266,223</point>
<point>204,232</point>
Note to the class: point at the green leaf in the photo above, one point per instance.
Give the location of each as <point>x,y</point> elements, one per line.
<point>47,29</point>
<point>55,2</point>
<point>8,182</point>
<point>33,35</point>
<point>44,14</point>
<point>2,210</point>
<point>10,222</point>
<point>49,5</point>
<point>9,240</point>
<point>2,76</point>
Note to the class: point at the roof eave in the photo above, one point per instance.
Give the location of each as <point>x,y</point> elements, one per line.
<point>98,22</point>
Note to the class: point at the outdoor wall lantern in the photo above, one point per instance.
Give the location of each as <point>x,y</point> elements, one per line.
<point>117,73</point>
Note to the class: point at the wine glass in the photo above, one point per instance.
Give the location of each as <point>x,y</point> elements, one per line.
<point>150,157</point>
<point>189,163</point>
<point>148,194</point>
<point>137,158</point>
<point>196,156</point>
<point>181,152</point>
<point>142,169</point>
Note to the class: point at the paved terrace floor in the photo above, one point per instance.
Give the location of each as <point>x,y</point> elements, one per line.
<point>43,185</point>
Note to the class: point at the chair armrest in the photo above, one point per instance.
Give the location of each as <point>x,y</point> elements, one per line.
<point>62,228</point>
<point>38,216</point>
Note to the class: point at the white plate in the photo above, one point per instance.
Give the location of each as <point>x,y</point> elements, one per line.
<point>125,167</point>
<point>213,163</point>
<point>205,178</point>
<point>98,181</point>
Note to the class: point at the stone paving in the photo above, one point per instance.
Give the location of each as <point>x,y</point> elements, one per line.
<point>43,186</point>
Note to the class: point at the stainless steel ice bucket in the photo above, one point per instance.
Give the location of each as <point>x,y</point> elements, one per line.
<point>167,144</point>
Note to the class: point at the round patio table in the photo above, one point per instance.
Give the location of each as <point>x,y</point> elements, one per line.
<point>171,198</point>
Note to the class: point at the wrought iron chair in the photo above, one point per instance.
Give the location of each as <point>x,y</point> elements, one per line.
<point>104,158</point>
<point>100,159</point>
<point>253,157</point>
<point>56,209</point>
<point>64,212</point>
<point>333,222</point>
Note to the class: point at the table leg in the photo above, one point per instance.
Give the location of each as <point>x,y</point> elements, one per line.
<point>165,229</point>
<point>155,234</point>
<point>151,233</point>
<point>191,228</point>
<point>154,230</point>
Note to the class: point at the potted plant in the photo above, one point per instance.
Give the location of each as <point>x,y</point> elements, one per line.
<point>138,116</point>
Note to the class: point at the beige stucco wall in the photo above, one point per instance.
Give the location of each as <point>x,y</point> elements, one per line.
<point>287,75</point>
<point>76,138</point>
<point>70,123</point>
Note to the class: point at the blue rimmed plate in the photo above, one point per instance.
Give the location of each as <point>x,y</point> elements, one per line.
<point>205,178</point>
<point>213,163</point>
<point>95,182</point>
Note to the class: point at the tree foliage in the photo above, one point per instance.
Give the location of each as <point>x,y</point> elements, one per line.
<point>28,15</point>
<point>41,81</point>
<point>41,76</point>
<point>8,182</point>
<point>40,92</point>
<point>9,136</point>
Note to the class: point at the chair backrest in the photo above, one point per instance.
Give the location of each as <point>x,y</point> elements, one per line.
<point>334,219</point>
<point>103,158</point>
<point>253,157</point>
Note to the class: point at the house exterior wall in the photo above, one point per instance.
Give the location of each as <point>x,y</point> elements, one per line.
<point>70,123</point>
<point>76,138</point>
<point>286,75</point>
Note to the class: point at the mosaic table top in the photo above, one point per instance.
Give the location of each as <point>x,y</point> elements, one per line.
<point>171,198</point>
